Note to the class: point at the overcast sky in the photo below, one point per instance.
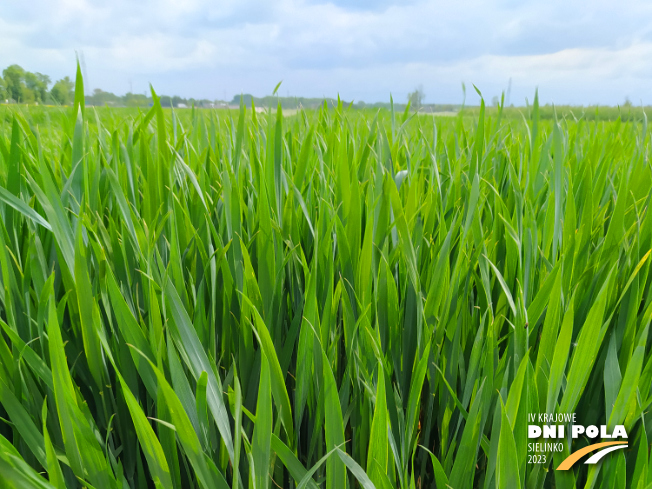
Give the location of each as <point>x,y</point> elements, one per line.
<point>579,52</point>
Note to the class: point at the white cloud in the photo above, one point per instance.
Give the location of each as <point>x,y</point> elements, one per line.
<point>578,52</point>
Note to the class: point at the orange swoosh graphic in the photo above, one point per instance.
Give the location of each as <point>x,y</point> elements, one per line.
<point>574,457</point>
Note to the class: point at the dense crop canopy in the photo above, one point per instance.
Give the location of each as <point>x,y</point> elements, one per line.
<point>226,299</point>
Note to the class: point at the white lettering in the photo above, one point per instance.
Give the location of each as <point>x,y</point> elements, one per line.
<point>577,430</point>
<point>533,431</point>
<point>619,431</point>
<point>550,431</point>
<point>603,432</point>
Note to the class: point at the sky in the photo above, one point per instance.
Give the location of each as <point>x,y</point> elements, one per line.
<point>579,52</point>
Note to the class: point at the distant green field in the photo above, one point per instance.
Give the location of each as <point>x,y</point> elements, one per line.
<point>572,113</point>
<point>340,298</point>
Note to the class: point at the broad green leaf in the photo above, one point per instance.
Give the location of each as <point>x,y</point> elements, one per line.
<point>507,469</point>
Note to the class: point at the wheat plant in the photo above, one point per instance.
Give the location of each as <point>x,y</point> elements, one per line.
<point>340,298</point>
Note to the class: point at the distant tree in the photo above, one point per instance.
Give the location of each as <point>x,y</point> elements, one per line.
<point>246,98</point>
<point>136,100</point>
<point>3,90</point>
<point>23,86</point>
<point>37,83</point>
<point>417,97</point>
<point>176,100</point>
<point>14,83</point>
<point>27,96</point>
<point>100,97</point>
<point>62,91</point>
<point>495,101</point>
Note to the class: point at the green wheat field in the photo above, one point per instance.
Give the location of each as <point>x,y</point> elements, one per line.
<point>329,299</point>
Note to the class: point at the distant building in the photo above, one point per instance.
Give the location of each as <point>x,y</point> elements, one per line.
<point>182,106</point>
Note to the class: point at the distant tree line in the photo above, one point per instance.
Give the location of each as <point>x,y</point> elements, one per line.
<point>415,98</point>
<point>18,85</point>
<point>22,86</point>
<point>286,102</point>
<point>101,98</point>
